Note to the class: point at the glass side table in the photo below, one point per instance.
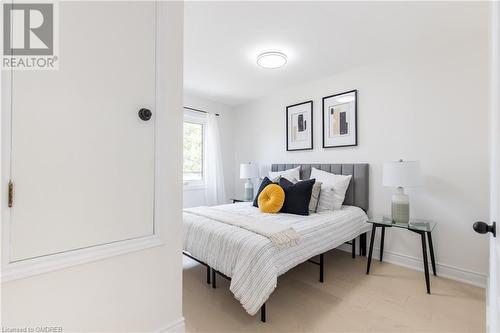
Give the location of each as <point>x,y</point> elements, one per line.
<point>421,227</point>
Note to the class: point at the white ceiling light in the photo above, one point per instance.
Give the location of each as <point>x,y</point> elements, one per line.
<point>273,59</point>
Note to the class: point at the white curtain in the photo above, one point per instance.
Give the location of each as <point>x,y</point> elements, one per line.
<point>215,191</point>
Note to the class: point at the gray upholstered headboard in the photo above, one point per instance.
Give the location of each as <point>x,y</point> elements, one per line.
<point>357,192</point>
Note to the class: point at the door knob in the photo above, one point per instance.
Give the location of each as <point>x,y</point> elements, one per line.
<point>482,228</point>
<point>145,114</point>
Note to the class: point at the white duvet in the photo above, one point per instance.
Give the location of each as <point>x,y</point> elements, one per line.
<point>252,261</point>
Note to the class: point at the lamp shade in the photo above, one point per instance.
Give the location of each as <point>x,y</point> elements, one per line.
<point>401,174</point>
<point>248,170</point>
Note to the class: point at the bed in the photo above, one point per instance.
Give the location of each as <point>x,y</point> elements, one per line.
<point>251,261</point>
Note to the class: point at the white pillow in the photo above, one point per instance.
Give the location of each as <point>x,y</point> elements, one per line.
<point>332,190</point>
<point>289,174</point>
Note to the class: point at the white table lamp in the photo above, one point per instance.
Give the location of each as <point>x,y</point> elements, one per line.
<point>248,171</point>
<point>401,174</point>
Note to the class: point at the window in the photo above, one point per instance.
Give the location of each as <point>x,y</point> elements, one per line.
<point>193,149</point>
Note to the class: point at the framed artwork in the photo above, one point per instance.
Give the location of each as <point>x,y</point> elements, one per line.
<point>299,129</point>
<point>340,120</point>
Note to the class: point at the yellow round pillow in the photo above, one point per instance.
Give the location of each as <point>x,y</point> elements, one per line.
<point>271,199</point>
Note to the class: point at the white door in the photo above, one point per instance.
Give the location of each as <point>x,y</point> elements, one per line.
<point>493,292</point>
<point>82,161</point>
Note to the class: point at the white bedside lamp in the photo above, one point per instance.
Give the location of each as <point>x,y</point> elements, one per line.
<point>401,174</point>
<point>248,171</point>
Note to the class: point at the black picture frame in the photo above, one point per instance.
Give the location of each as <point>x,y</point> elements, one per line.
<point>312,127</point>
<point>355,91</point>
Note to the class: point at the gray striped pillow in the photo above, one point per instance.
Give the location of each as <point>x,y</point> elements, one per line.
<point>327,198</point>
<point>313,203</point>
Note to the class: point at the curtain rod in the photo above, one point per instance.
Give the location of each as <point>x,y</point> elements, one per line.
<point>197,110</point>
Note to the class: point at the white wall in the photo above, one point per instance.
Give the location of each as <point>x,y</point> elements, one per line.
<point>136,292</point>
<point>196,197</point>
<point>432,107</point>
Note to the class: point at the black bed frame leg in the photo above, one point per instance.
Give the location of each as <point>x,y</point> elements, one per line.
<point>263,313</point>
<point>362,244</point>
<point>208,274</point>
<point>213,279</point>
<point>353,248</point>
<point>321,266</point>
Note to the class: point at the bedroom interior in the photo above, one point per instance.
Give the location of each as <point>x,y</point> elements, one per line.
<point>250,166</point>
<point>393,86</point>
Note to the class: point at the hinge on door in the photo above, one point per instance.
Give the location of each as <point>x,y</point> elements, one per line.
<point>11,193</point>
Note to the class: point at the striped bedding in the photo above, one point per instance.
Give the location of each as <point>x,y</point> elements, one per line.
<point>252,261</point>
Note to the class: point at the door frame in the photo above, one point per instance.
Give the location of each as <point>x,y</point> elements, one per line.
<point>29,267</point>
<point>492,306</point>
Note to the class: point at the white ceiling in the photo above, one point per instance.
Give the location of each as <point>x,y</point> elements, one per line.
<point>223,39</point>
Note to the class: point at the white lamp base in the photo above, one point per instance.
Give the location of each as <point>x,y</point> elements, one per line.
<point>249,190</point>
<point>400,206</point>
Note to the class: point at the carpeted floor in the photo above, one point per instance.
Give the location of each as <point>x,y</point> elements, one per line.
<point>390,299</point>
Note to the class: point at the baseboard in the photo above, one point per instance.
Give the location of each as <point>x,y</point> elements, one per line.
<point>177,326</point>
<point>447,271</point>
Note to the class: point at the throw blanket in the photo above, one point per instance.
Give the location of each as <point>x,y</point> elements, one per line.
<point>280,235</point>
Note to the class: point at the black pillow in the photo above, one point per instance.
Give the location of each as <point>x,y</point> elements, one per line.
<point>266,181</point>
<point>297,196</point>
